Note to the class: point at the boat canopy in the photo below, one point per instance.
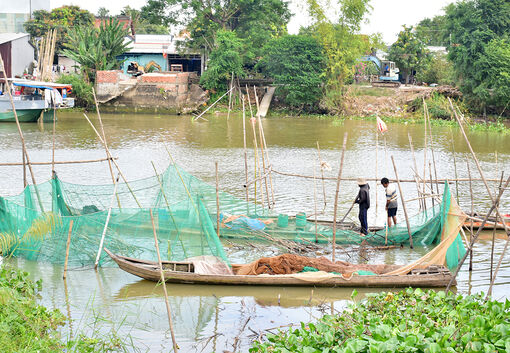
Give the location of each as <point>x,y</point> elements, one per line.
<point>41,85</point>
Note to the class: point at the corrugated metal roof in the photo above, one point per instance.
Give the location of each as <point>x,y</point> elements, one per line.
<point>9,37</point>
<point>154,43</point>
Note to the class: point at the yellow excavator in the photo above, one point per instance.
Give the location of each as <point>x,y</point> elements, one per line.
<point>135,69</point>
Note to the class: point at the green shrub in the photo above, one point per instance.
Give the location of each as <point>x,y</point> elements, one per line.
<point>408,321</point>
<point>82,90</point>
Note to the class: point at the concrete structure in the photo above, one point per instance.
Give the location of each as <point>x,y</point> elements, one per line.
<point>170,92</point>
<point>17,53</point>
<point>70,66</point>
<point>162,50</point>
<point>14,14</point>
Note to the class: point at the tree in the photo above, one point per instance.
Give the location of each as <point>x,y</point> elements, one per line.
<point>97,48</point>
<point>408,52</point>
<point>141,24</point>
<point>476,28</point>
<point>433,31</point>
<point>255,21</point>
<point>224,60</point>
<point>342,43</point>
<point>297,64</point>
<point>62,18</point>
<point>155,12</point>
<point>436,69</point>
<point>103,12</point>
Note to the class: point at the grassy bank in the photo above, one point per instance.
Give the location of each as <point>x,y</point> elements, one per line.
<point>408,321</point>
<point>26,326</point>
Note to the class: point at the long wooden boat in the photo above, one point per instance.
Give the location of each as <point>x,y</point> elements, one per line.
<point>183,272</point>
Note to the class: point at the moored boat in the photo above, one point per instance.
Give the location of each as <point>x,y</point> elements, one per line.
<point>32,98</point>
<point>184,272</point>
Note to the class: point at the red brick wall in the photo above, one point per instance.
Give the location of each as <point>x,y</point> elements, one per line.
<point>181,78</point>
<point>111,76</point>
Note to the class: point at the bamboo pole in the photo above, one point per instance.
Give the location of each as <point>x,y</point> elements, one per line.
<point>265,150</point>
<point>315,203</point>
<point>217,201</point>
<point>104,136</point>
<point>494,231</point>
<point>494,202</point>
<point>376,176</point>
<point>441,181</point>
<point>420,201</point>
<point>472,214</point>
<point>475,238</point>
<point>68,243</point>
<point>106,224</point>
<point>257,164</point>
<point>322,177</point>
<point>431,184</point>
<point>336,194</point>
<point>255,150</point>
<point>403,203</point>
<point>230,96</point>
<point>53,136</point>
<point>23,145</point>
<point>262,148</point>
<point>113,160</point>
<point>57,162</point>
<point>212,105</point>
<point>432,151</point>
<point>245,153</point>
<point>425,150</point>
<point>455,167</point>
<point>163,283</point>
<point>25,183</point>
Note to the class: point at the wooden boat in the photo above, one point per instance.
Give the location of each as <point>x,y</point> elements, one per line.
<point>29,106</point>
<point>183,272</point>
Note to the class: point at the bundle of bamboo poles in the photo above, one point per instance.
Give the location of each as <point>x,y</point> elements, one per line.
<point>46,54</point>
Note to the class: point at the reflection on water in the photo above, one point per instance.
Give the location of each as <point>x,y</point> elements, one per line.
<point>210,317</point>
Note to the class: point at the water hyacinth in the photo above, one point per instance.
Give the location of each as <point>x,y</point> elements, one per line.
<point>407,321</point>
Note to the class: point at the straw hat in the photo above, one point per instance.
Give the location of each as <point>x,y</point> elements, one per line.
<point>361,181</point>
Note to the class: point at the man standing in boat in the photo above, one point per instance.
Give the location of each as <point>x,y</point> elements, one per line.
<point>363,200</point>
<point>391,200</point>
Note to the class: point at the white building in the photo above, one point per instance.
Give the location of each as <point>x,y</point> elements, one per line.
<point>14,14</point>
<point>17,53</point>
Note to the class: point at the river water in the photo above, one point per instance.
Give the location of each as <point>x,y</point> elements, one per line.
<point>209,318</point>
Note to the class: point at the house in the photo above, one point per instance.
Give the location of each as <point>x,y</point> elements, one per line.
<point>159,52</point>
<point>14,14</point>
<point>17,53</point>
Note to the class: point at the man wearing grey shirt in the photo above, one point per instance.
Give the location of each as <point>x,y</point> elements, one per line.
<point>391,200</point>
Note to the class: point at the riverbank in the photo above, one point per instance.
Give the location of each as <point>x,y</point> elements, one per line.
<point>410,320</point>
<point>28,326</point>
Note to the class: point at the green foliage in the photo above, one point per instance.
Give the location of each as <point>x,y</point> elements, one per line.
<point>342,43</point>
<point>479,33</point>
<point>255,21</point>
<point>62,18</point>
<point>154,12</point>
<point>433,31</point>
<point>297,63</point>
<point>25,325</point>
<point>224,60</point>
<point>408,52</point>
<point>141,22</point>
<point>363,70</point>
<point>82,90</point>
<point>436,69</point>
<point>407,321</point>
<point>97,48</point>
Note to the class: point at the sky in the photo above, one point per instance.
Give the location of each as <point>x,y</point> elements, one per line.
<point>387,16</point>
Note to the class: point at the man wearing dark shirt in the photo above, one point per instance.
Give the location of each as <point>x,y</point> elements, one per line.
<point>363,200</point>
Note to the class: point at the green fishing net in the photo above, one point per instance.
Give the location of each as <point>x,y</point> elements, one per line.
<point>36,223</point>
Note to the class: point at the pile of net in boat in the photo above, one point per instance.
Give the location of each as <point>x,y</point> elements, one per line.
<point>36,223</point>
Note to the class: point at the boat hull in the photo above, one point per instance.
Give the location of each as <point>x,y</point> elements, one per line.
<point>150,271</point>
<point>24,116</point>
